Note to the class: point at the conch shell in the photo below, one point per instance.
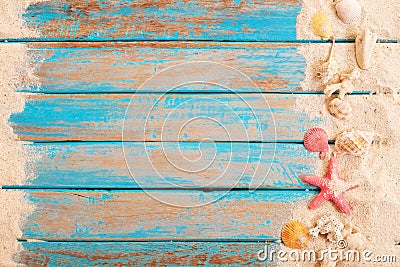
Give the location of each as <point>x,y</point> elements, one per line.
<point>344,87</point>
<point>354,142</point>
<point>329,68</point>
<point>365,43</point>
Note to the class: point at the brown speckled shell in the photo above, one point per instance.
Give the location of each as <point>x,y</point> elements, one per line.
<point>354,142</point>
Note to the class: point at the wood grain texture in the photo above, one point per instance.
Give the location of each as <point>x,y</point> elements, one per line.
<point>124,67</point>
<point>143,254</point>
<point>170,117</point>
<point>134,215</point>
<point>165,165</point>
<point>165,20</point>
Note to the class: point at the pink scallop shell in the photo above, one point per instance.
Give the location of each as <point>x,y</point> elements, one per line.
<point>316,140</point>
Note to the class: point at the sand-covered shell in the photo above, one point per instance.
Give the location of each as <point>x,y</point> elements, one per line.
<point>365,43</point>
<point>354,142</point>
<point>316,140</point>
<point>295,235</point>
<point>348,11</point>
<point>321,25</point>
<point>330,67</point>
<point>340,108</point>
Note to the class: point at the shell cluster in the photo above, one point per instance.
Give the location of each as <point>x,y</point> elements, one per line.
<point>295,235</point>
<point>348,11</point>
<point>340,107</point>
<point>316,140</point>
<point>329,225</point>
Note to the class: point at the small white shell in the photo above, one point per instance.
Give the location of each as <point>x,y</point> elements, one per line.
<point>365,43</point>
<point>349,11</point>
<point>339,108</point>
<point>354,142</point>
<point>344,88</point>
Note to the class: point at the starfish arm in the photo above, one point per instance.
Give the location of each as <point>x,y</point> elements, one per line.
<point>341,204</point>
<point>333,170</point>
<point>317,181</point>
<point>318,200</point>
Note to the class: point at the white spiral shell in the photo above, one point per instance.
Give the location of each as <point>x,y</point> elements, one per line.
<point>339,108</point>
<point>349,11</point>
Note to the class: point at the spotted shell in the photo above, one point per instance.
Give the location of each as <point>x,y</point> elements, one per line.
<point>349,11</point>
<point>354,142</point>
<point>295,235</point>
<point>316,140</point>
<point>321,25</point>
<point>339,108</point>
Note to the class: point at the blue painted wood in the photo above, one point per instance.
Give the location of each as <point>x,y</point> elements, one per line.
<point>165,20</point>
<point>152,117</point>
<point>134,215</point>
<point>103,165</point>
<point>143,253</point>
<point>124,67</point>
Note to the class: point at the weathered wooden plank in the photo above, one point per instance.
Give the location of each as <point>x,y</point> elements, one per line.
<point>169,117</point>
<point>165,165</point>
<point>134,215</point>
<point>143,253</point>
<point>124,67</point>
<point>165,20</point>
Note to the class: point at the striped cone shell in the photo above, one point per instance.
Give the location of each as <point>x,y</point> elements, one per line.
<point>316,140</point>
<point>339,108</point>
<point>349,11</point>
<point>354,142</point>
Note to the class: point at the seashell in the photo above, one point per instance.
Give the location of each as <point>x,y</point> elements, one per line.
<point>321,25</point>
<point>354,142</point>
<point>365,43</point>
<point>316,140</point>
<point>339,108</point>
<point>295,235</point>
<point>330,68</point>
<point>345,87</point>
<point>348,11</point>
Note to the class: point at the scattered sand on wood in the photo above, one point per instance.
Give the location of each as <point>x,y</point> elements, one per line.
<point>15,72</point>
<point>381,16</point>
<point>374,204</point>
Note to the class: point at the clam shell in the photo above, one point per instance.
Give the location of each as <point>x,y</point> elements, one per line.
<point>316,140</point>
<point>295,235</point>
<point>365,43</point>
<point>339,108</point>
<point>349,11</point>
<point>321,25</point>
<point>354,142</point>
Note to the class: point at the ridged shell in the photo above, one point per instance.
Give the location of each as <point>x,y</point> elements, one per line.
<point>365,44</point>
<point>295,235</point>
<point>339,108</point>
<point>316,140</point>
<point>330,68</point>
<point>349,11</point>
<point>321,25</point>
<point>354,142</point>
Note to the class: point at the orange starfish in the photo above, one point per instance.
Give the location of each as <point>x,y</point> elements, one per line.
<point>332,188</point>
